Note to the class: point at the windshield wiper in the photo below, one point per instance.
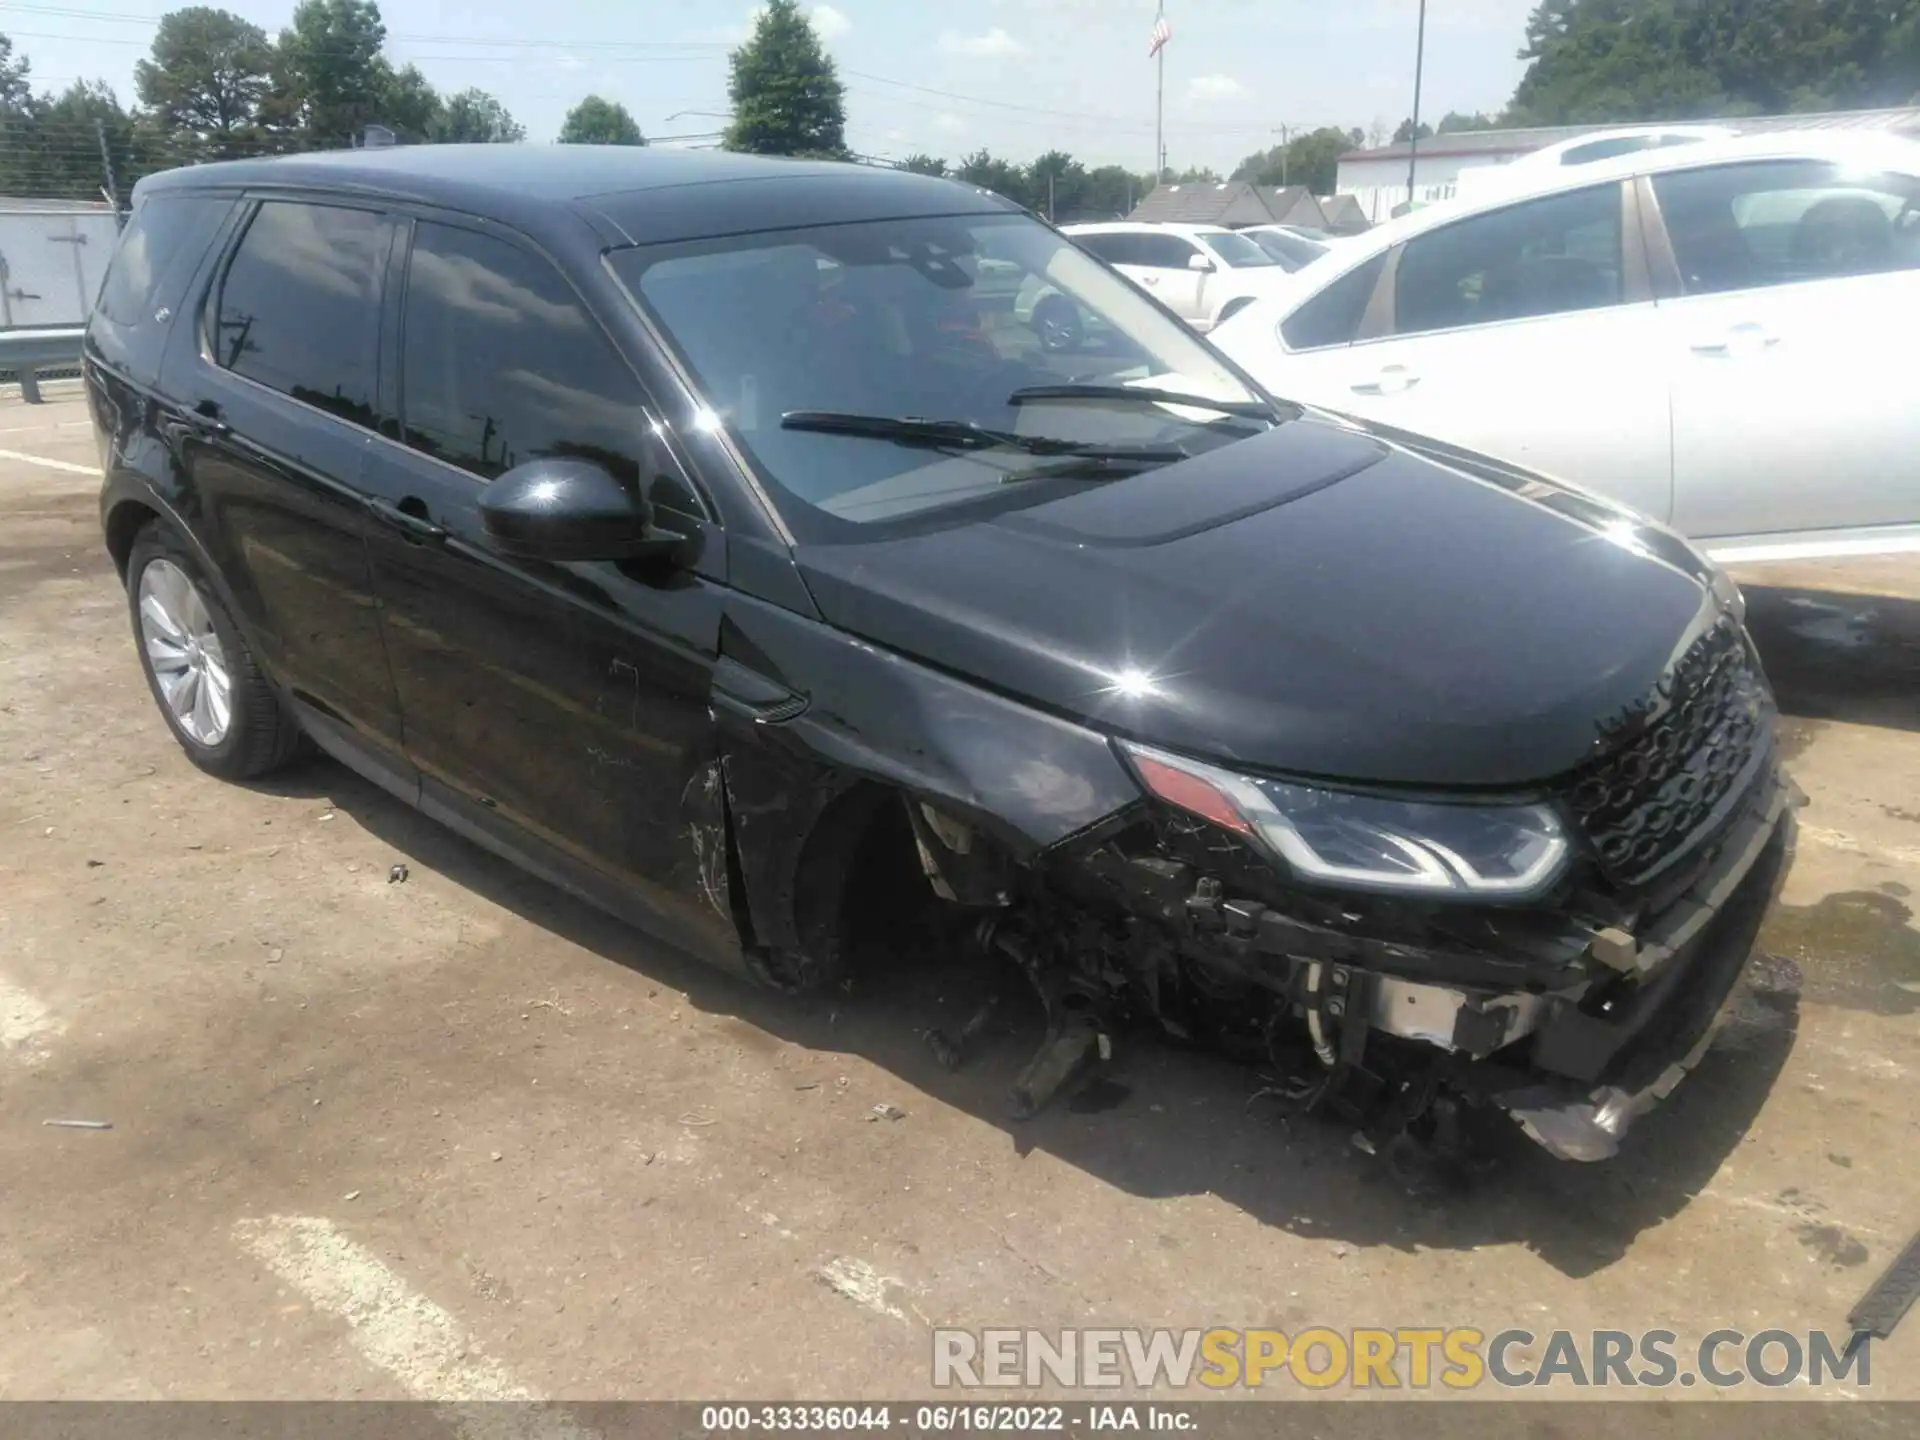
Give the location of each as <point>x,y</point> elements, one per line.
<point>965,435</point>
<point>1250,409</point>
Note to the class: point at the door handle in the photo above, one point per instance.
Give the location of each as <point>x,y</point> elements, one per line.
<point>1391,380</point>
<point>206,419</point>
<point>1747,338</point>
<point>410,518</point>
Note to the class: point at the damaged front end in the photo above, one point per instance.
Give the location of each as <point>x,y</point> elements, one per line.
<point>1563,956</point>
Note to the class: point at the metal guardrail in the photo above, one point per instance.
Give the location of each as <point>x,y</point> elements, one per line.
<point>25,353</point>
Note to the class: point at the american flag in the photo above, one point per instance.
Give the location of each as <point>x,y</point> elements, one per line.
<point>1162,33</point>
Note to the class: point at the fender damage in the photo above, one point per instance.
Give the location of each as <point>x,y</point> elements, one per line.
<point>1574,1014</point>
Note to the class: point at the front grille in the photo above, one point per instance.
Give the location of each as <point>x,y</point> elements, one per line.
<point>1644,801</point>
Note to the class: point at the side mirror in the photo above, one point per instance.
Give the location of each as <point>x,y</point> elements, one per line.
<point>1199,262</point>
<point>560,510</point>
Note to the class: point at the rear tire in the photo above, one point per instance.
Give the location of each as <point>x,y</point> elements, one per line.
<point>199,670</point>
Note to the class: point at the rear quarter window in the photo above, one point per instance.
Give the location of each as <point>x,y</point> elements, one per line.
<point>166,233</point>
<point>1333,316</point>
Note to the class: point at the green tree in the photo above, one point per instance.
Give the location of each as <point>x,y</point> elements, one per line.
<point>16,118</point>
<point>1407,131</point>
<point>923,164</point>
<point>1311,159</point>
<point>1456,122</point>
<point>473,117</point>
<point>408,105</point>
<point>206,79</point>
<point>1624,60</point>
<point>331,80</point>
<point>1056,184</point>
<point>600,122</point>
<point>61,148</point>
<point>1000,176</point>
<point>787,97</point>
<point>1110,192</point>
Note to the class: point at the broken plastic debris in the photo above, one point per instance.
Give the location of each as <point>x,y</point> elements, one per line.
<point>886,1110</point>
<point>397,874</point>
<point>79,1124</point>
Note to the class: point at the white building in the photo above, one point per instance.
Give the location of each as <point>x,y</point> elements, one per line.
<point>1378,178</point>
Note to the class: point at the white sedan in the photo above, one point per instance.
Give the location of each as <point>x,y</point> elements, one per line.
<point>1721,335</point>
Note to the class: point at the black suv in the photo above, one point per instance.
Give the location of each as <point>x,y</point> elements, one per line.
<point>694,530</point>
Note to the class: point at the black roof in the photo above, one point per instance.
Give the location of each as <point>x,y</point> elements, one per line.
<point>630,194</point>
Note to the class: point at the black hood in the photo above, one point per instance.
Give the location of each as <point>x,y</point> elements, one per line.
<point>1314,600</point>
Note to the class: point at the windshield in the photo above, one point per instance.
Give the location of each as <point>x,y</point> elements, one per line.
<point>940,319</point>
<point>1236,250</point>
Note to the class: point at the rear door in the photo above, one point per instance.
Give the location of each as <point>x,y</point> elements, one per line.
<point>277,407</point>
<point>1791,345</point>
<point>564,705</point>
<point>1528,333</point>
<point>1155,262</point>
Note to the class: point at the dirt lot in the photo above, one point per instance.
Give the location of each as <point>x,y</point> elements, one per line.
<point>464,1136</point>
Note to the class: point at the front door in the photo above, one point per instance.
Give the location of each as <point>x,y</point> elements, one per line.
<point>1516,333</point>
<point>566,703</point>
<point>1791,347</point>
<point>277,406</point>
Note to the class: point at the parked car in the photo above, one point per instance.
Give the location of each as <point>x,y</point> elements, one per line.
<point>1483,182</point>
<point>1203,273</point>
<point>1704,333</point>
<point>663,522</point>
<point>1289,245</point>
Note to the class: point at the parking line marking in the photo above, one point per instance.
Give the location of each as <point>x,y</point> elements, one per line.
<point>401,1331</point>
<point>25,459</point>
<point>23,1021</point>
<point>34,429</point>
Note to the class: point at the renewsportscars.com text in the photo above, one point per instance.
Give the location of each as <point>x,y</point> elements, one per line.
<point>1407,1357</point>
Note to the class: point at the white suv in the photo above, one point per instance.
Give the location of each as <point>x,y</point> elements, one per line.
<point>1203,273</point>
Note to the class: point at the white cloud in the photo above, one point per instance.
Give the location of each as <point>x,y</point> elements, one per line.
<point>829,22</point>
<point>948,123</point>
<point>1215,87</point>
<point>569,62</point>
<point>996,44</point>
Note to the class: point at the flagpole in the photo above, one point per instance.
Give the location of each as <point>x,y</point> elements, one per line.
<point>1160,105</point>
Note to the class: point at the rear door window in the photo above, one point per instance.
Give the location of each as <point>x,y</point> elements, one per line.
<point>1165,252</point>
<point>502,364</point>
<point>1740,227</point>
<point>299,309</point>
<point>1543,257</point>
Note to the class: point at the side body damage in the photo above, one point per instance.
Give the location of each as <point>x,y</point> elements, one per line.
<point>1574,1012</point>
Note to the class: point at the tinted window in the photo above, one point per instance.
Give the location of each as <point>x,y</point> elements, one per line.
<point>1774,223</point>
<point>300,306</point>
<point>1607,149</point>
<point>167,230</point>
<point>1114,249</point>
<point>1291,251</point>
<point>501,364</point>
<point>1333,316</point>
<point>1545,257</point>
<point>1164,252</point>
<point>1237,250</point>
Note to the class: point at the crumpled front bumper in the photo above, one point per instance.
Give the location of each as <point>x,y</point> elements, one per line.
<point>1691,958</point>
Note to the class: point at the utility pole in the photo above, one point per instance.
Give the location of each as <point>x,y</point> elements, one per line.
<point>1285,132</point>
<point>1160,34</point>
<point>1419,63</point>
<point>106,163</point>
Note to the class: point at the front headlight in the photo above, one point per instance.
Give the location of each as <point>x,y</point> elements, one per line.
<point>1363,842</point>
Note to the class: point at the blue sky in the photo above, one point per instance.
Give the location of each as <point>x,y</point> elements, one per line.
<point>1017,76</point>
